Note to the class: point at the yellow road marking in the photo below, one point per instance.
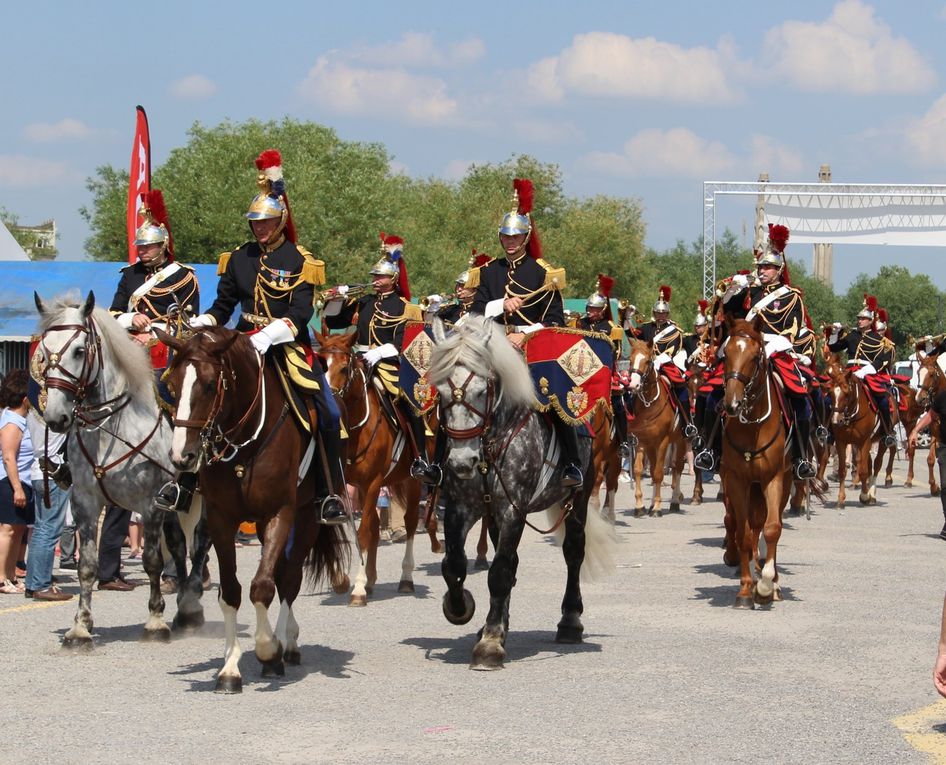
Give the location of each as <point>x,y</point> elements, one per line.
<point>917,728</point>
<point>34,606</point>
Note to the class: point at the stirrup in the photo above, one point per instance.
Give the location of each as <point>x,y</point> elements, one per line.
<point>168,497</point>
<point>705,460</point>
<point>805,470</point>
<point>689,431</point>
<point>624,451</point>
<point>332,511</point>
<point>890,440</point>
<point>572,475</point>
<point>821,434</point>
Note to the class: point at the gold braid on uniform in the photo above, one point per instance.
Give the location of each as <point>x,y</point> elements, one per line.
<point>271,283</point>
<point>383,321</point>
<point>546,295</point>
<point>869,348</point>
<point>145,303</point>
<point>774,318</point>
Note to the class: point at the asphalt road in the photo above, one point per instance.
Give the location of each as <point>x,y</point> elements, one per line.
<point>668,672</point>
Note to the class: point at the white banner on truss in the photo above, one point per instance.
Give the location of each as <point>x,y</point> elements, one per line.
<point>917,220</point>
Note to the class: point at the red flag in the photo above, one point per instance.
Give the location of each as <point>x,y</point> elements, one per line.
<point>139,180</point>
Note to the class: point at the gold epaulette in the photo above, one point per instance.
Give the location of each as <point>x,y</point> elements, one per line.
<point>222,262</point>
<point>572,321</point>
<point>889,344</point>
<point>473,278</point>
<point>413,312</point>
<point>554,277</point>
<point>617,333</point>
<point>313,269</point>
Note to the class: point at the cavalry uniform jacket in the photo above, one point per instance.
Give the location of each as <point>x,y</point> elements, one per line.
<point>781,310</point>
<point>604,327</point>
<point>666,338</point>
<point>452,313</point>
<point>153,291</point>
<point>381,319</point>
<point>273,284</point>
<point>869,347</point>
<point>501,279</point>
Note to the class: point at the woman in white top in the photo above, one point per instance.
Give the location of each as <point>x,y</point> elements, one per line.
<point>16,492</point>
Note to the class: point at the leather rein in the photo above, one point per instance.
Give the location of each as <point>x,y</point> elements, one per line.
<point>749,398</point>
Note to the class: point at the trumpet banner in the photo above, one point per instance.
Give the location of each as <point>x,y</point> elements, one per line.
<point>416,349</point>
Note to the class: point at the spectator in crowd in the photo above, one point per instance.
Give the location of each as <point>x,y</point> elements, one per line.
<point>939,669</point>
<point>16,492</point>
<point>67,542</point>
<point>111,538</point>
<point>49,521</point>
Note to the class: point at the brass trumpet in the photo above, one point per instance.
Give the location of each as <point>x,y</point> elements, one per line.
<point>843,331</point>
<point>919,343</point>
<point>440,302</point>
<point>354,292</point>
<point>625,307</point>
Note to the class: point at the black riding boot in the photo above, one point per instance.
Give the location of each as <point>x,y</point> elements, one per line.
<point>177,495</point>
<point>422,467</point>
<point>801,444</point>
<point>332,509</point>
<point>706,457</point>
<point>683,398</point>
<point>620,425</point>
<point>571,462</point>
<point>886,420</point>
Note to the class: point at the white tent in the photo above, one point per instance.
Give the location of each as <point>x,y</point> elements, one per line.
<point>9,248</point>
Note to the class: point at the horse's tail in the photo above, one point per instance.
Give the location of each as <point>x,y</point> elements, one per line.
<point>600,543</point>
<point>329,557</point>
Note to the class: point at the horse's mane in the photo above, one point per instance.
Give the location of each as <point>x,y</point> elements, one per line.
<point>480,346</point>
<point>127,355</point>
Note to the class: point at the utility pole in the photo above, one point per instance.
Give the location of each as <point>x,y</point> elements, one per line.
<point>823,260</point>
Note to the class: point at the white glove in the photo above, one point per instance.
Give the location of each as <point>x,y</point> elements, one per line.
<point>342,290</point>
<point>272,334</point>
<point>803,359</point>
<point>661,359</point>
<point>836,326</point>
<point>204,320</point>
<point>124,319</point>
<point>740,281</point>
<point>375,355</point>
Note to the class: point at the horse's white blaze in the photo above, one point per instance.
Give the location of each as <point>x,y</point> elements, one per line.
<point>835,416</point>
<point>635,380</point>
<point>266,644</point>
<point>741,344</point>
<point>232,652</point>
<point>179,438</point>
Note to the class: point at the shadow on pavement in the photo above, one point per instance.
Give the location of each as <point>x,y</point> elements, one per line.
<point>520,646</point>
<point>724,596</point>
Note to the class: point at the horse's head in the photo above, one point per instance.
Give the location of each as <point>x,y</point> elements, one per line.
<point>842,386</point>
<point>930,380</point>
<point>340,361</point>
<point>70,355</point>
<point>743,363</point>
<point>640,364</point>
<point>480,377</point>
<point>199,377</point>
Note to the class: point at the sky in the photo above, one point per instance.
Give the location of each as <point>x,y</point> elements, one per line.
<point>642,100</point>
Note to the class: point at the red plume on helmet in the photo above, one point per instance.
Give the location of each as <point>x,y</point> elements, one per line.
<point>394,247</point>
<point>525,192</point>
<point>778,237</point>
<point>478,259</point>
<point>664,293</point>
<point>605,285</point>
<point>269,163</point>
<point>870,303</point>
<point>703,305</point>
<point>883,317</point>
<point>154,201</point>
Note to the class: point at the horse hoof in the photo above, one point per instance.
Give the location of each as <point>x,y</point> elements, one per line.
<point>488,656</point>
<point>569,633</point>
<point>273,668</point>
<point>188,621</point>
<point>908,484</point>
<point>156,636</point>
<point>405,585</point>
<point>342,585</point>
<point>481,564</point>
<point>719,496</point>
<point>934,492</point>
<point>77,644</point>
<point>469,606</point>
<point>763,600</point>
<point>731,561</point>
<point>292,658</point>
<point>358,600</point>
<point>888,482</point>
<point>436,546</point>
<point>229,684</point>
<point>696,501</point>
<point>744,603</point>
<point>639,512</point>
<point>674,507</point>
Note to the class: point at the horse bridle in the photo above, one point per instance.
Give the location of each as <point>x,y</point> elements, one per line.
<point>645,376</point>
<point>848,414</point>
<point>749,396</point>
<point>349,368</point>
<point>458,398</point>
<point>936,374</point>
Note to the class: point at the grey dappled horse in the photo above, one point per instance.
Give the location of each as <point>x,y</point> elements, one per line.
<point>497,464</point>
<point>100,388</point>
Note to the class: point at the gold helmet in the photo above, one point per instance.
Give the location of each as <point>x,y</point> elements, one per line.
<point>701,320</point>
<point>156,228</point>
<point>601,297</point>
<point>519,219</point>
<point>869,311</point>
<point>392,263</point>
<point>773,254</point>
<point>271,201</point>
<point>663,300</point>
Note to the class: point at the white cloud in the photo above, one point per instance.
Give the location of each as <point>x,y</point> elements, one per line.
<point>193,87</point>
<point>390,94</point>
<point>927,135</point>
<point>852,51</point>
<point>398,168</point>
<point>18,171</point>
<point>457,169</point>
<point>416,50</point>
<point>68,129</point>
<point>681,153</point>
<point>617,66</point>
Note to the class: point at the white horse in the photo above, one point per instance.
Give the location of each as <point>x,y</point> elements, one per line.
<point>100,387</point>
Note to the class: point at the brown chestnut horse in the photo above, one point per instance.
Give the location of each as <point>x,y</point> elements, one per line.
<point>656,425</point>
<point>931,381</point>
<point>854,423</point>
<point>755,470</point>
<point>372,461</point>
<point>606,459</point>
<point>908,417</point>
<point>233,424</point>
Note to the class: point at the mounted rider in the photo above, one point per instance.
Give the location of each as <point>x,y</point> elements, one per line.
<point>157,292</point>
<point>381,319</point>
<point>872,354</point>
<point>272,280</point>
<point>780,308</point>
<point>464,290</point>
<point>523,292</point>
<point>666,341</point>
<point>597,318</point>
